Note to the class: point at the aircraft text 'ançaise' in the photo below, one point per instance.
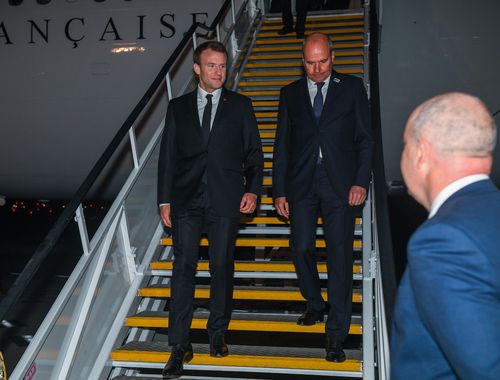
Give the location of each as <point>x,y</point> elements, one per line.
<point>75,30</point>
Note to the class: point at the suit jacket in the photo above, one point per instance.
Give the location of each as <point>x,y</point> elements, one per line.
<point>447,313</point>
<point>343,133</point>
<point>233,159</point>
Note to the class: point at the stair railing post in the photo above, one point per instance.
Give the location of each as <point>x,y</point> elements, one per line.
<point>133,147</point>
<point>369,267</point>
<point>233,16</point>
<point>82,227</point>
<point>169,86</point>
<point>127,249</point>
<point>195,45</point>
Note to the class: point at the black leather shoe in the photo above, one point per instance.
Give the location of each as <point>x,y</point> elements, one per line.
<point>309,318</point>
<point>285,30</point>
<point>334,351</point>
<point>181,353</point>
<point>218,346</point>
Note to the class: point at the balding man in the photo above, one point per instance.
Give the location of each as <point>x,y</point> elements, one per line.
<point>322,165</point>
<point>447,315</point>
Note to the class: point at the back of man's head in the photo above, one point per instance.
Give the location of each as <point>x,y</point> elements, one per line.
<point>455,124</point>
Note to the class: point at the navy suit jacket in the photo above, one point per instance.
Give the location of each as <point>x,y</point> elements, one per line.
<point>343,133</point>
<point>233,159</point>
<point>447,314</point>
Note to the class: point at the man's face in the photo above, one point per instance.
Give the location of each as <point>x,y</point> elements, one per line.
<point>211,70</point>
<point>318,60</point>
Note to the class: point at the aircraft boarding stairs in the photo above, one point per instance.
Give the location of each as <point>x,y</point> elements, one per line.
<point>124,332</point>
<point>263,336</point>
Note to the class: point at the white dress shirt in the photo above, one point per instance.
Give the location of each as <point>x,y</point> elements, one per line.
<point>202,102</point>
<point>451,189</point>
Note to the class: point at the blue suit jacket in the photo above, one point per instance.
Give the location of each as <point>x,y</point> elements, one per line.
<point>447,314</point>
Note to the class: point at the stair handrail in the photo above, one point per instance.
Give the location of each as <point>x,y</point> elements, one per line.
<point>74,206</point>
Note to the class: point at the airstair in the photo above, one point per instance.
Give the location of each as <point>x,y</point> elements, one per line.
<point>111,320</point>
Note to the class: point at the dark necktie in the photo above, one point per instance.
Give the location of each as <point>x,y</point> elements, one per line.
<point>207,117</point>
<point>318,102</point>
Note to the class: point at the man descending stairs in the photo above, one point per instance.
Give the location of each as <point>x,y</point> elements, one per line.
<point>264,337</point>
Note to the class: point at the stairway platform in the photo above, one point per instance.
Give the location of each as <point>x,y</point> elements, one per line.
<point>255,293</point>
<point>287,360</point>
<point>262,322</point>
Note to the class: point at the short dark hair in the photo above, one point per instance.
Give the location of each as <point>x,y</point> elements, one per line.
<point>212,45</point>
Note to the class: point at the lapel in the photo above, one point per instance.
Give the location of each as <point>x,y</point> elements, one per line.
<point>331,94</point>
<point>307,98</point>
<point>193,105</point>
<point>221,106</point>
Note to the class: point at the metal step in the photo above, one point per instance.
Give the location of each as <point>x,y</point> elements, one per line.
<point>252,269</point>
<point>273,56</point>
<point>263,242</point>
<point>284,323</point>
<point>298,47</point>
<point>243,293</point>
<point>289,360</point>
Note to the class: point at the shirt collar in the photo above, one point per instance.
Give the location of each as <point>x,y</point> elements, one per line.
<point>451,189</point>
<point>202,94</point>
<point>310,83</point>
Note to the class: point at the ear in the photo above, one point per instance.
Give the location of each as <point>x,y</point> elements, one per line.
<point>423,154</point>
<point>197,69</point>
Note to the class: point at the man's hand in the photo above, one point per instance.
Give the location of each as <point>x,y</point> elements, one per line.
<point>282,207</point>
<point>165,215</point>
<point>357,195</point>
<point>248,203</point>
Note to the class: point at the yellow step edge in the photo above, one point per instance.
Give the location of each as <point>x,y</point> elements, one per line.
<point>256,57</point>
<point>352,45</point>
<point>267,149</point>
<point>264,242</point>
<point>267,164</point>
<point>281,41</point>
<point>267,135</point>
<point>259,295</point>
<point>267,126</point>
<point>267,181</point>
<point>298,63</point>
<point>265,103</point>
<point>276,220</point>
<point>311,19</point>
<point>285,40</point>
<point>260,93</point>
<point>265,83</point>
<point>277,73</point>
<point>297,73</point>
<point>239,325</point>
<point>241,361</point>
<point>315,25</point>
<point>266,114</point>
<point>249,266</point>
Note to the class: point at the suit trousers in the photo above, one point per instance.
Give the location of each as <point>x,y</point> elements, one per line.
<point>186,233</point>
<point>338,225</point>
<point>301,11</point>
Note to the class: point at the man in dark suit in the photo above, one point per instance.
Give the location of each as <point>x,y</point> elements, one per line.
<point>447,313</point>
<point>322,165</point>
<point>209,172</point>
